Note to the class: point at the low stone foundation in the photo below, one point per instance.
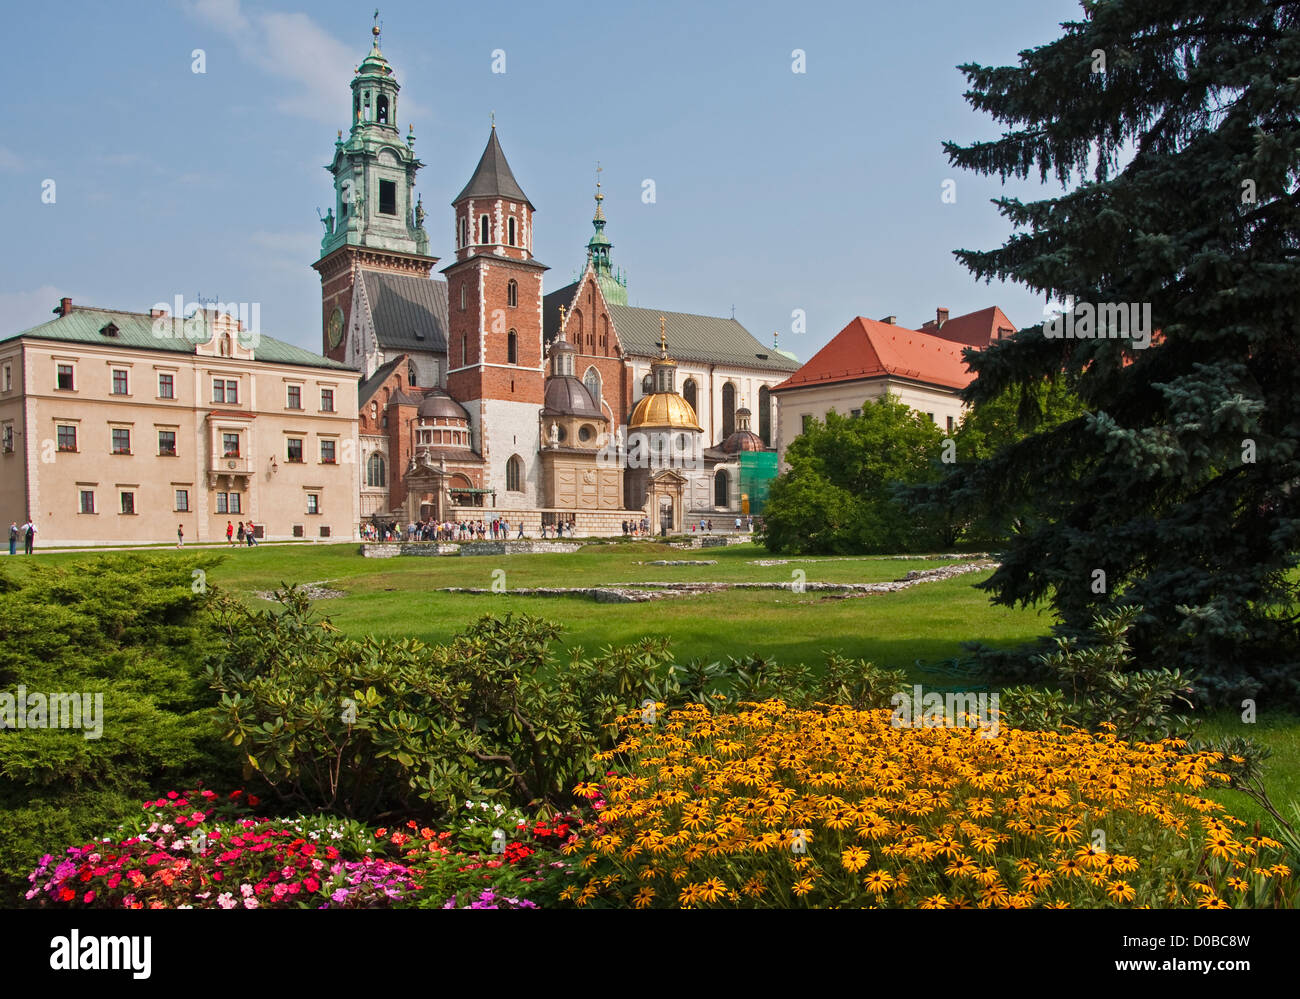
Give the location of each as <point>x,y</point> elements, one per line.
<point>391,549</point>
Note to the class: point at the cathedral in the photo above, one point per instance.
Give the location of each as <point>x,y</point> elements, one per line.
<point>481,395</point>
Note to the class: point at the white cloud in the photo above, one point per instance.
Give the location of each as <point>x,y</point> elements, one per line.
<point>290,46</point>
<point>21,310</point>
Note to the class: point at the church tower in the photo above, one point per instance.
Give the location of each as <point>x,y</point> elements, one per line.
<point>375,222</point>
<point>494,349</point>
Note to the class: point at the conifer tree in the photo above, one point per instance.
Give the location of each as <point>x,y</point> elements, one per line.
<point>1172,128</point>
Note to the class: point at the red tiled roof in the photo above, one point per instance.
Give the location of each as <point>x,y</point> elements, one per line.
<point>866,348</point>
<point>975,329</point>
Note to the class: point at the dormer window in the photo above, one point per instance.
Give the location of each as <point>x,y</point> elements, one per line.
<point>108,330</point>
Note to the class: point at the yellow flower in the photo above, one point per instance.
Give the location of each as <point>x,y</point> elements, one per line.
<point>802,888</point>
<point>644,897</point>
<point>878,882</point>
<point>1120,891</point>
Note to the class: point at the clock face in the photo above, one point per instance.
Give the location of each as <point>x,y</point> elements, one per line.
<point>335,327</point>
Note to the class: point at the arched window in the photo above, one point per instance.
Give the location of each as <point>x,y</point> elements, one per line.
<point>647,383</point>
<point>375,471</point>
<point>484,229</point>
<point>463,229</point>
<point>411,380</point>
<point>765,415</point>
<point>512,289</point>
<point>592,381</point>
<point>512,347</point>
<point>382,116</point>
<point>689,394</point>
<point>728,410</point>
<point>721,485</point>
<point>510,231</point>
<point>515,474</point>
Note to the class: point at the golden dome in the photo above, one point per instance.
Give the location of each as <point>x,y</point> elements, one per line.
<point>663,409</point>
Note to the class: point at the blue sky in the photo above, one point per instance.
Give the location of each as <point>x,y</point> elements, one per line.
<point>775,190</point>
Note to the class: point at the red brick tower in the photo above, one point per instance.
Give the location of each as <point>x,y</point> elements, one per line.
<point>494,305</point>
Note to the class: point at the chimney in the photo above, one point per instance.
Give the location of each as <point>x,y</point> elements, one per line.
<point>155,313</point>
<point>64,307</point>
<point>940,316</point>
<point>892,320</point>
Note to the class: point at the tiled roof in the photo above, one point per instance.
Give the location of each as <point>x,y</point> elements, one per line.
<point>975,329</point>
<point>136,330</point>
<point>493,177</point>
<point>866,349</point>
<point>371,385</point>
<point>409,312</point>
<point>707,339</point>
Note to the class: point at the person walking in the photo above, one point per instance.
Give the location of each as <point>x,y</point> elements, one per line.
<point>13,537</point>
<point>239,534</point>
<point>521,529</point>
<point>180,535</point>
<point>29,536</point>
<point>737,525</point>
<point>230,534</point>
<point>249,535</point>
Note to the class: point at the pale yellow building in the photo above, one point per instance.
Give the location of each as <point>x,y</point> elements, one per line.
<point>116,427</point>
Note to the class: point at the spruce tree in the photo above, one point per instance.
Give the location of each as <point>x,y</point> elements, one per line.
<point>1172,129</point>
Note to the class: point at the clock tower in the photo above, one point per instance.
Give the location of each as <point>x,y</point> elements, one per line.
<point>375,223</point>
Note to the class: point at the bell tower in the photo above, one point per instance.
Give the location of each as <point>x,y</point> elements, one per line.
<point>494,307</point>
<point>375,222</point>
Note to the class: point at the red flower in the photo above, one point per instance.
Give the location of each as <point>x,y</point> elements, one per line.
<point>254,800</point>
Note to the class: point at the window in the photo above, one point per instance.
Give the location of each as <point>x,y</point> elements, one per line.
<point>87,501</point>
<point>512,348</point>
<point>230,445</point>
<point>327,452</point>
<point>512,289</point>
<point>232,391</point>
<point>166,386</point>
<point>182,501</point>
<point>387,197</point>
<point>228,503</point>
<point>689,393</point>
<point>295,397</point>
<point>410,374</point>
<point>462,230</point>
<point>8,437</point>
<point>294,449</point>
<point>950,424</point>
<point>121,441</point>
<point>297,530</point>
<point>646,384</point>
<point>728,410</point>
<point>805,422</point>
<point>855,413</point>
<point>66,378</point>
<point>128,502</point>
<point>483,229</point>
<point>225,390</point>
<point>313,503</point>
<point>167,443</point>
<point>67,438</point>
<point>462,298</point>
<point>9,378</point>
<point>381,115</point>
<point>930,417</point>
<point>510,232</point>
<point>120,382</point>
<point>515,474</point>
<point>327,400</point>
<point>375,472</point>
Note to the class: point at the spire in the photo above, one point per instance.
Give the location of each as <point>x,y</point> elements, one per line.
<point>492,177</point>
<point>612,285</point>
<point>663,339</point>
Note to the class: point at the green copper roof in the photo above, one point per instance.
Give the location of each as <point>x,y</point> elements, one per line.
<point>85,325</point>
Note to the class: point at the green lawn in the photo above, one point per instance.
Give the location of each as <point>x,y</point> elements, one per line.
<point>397,597</point>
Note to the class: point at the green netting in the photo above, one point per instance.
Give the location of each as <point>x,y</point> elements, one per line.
<point>757,470</point>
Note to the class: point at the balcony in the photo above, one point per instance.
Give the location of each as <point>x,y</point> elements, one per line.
<point>231,470</point>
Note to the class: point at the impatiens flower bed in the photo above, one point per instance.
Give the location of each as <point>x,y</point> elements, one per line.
<point>775,807</point>
<point>201,851</point>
